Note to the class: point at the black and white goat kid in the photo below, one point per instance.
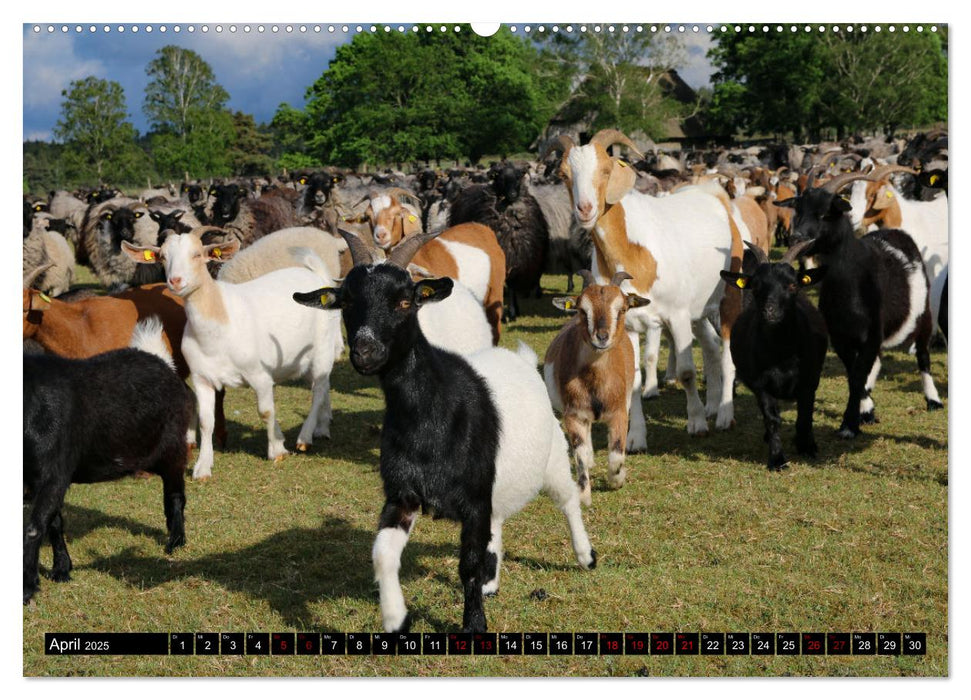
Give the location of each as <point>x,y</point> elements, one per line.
<point>875,294</point>
<point>779,344</point>
<point>471,439</point>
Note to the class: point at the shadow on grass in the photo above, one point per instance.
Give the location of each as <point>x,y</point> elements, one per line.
<point>290,570</point>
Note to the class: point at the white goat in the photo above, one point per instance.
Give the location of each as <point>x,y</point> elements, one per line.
<point>249,333</point>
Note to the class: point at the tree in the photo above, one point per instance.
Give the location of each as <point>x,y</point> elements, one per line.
<point>185,106</point>
<point>250,152</point>
<point>393,97</point>
<point>181,88</point>
<point>290,132</point>
<point>615,77</point>
<point>99,141</point>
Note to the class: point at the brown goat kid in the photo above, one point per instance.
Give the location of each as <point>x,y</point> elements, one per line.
<point>589,373</point>
<point>95,325</point>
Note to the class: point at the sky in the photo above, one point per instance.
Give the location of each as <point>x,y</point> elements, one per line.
<point>259,70</point>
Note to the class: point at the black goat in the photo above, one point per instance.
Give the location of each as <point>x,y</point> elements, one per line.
<point>471,439</point>
<point>519,224</point>
<point>778,344</point>
<point>93,420</point>
<point>875,294</point>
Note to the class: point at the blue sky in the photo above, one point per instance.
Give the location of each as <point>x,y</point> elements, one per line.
<point>258,70</point>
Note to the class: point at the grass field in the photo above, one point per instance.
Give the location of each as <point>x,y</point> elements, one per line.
<point>701,538</point>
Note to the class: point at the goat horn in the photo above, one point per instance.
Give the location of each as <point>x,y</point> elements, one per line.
<point>400,192</point>
<point>32,276</point>
<point>587,278</point>
<point>560,144</point>
<point>840,181</point>
<point>360,253</point>
<point>796,251</point>
<point>402,253</point>
<point>760,256</point>
<point>620,276</point>
<point>881,172</point>
<point>609,137</point>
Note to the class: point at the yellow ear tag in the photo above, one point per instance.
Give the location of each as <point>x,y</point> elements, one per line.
<point>806,279</point>
<point>934,179</point>
<point>426,292</point>
<point>568,304</point>
<point>889,194</point>
<point>45,297</point>
<point>149,254</point>
<point>411,219</point>
<point>622,163</point>
<point>741,283</point>
<point>217,252</point>
<point>324,299</point>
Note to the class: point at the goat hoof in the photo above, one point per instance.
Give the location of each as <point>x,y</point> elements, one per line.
<point>301,447</point>
<point>405,625</point>
<point>279,458</point>
<point>847,433</point>
<point>934,405</point>
<point>60,576</point>
<point>28,594</point>
<point>868,418</point>
<point>593,560</point>
<point>202,479</point>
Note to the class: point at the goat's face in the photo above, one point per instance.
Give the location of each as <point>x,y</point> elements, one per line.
<point>601,310</point>
<point>506,182</point>
<point>816,212</point>
<point>169,221</point>
<point>184,258</point>
<point>193,193</point>
<point>379,305</point>
<point>225,202</point>
<point>318,189</point>
<point>391,221</point>
<point>774,288</point>
<point>594,181</point>
<point>118,225</point>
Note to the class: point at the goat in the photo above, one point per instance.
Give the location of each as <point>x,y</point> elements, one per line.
<point>518,223</point>
<point>48,249</point>
<point>96,420</point>
<point>275,251</point>
<point>570,246</point>
<point>105,227</point>
<point>589,373</point>
<point>468,252</point>
<point>248,219</point>
<point>875,294</point>
<point>239,334</point>
<point>97,324</point>
<point>779,344</point>
<point>470,438</point>
<point>674,248</point>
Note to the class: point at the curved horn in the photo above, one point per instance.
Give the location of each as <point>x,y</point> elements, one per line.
<point>587,278</point>
<point>812,174</point>
<point>882,171</point>
<point>560,144</point>
<point>796,251</point>
<point>400,192</point>
<point>402,253</point>
<point>760,256</point>
<point>608,137</point>
<point>360,253</point>
<point>620,276</point>
<point>840,181</point>
<point>32,276</point>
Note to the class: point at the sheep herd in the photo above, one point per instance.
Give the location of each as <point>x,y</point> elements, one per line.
<point>248,282</point>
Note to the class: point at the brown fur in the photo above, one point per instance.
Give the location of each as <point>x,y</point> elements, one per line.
<point>755,220</point>
<point>95,325</point>
<point>886,213</point>
<point>618,252</point>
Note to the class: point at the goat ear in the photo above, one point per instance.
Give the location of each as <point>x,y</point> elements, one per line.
<point>807,278</point>
<point>221,252</point>
<point>144,255</point>
<point>620,182</point>
<point>410,224</point>
<point>788,203</point>
<point>565,303</point>
<point>323,298</point>
<point>431,290</point>
<point>840,205</point>
<point>738,279</point>
<point>634,301</point>
<point>883,198</point>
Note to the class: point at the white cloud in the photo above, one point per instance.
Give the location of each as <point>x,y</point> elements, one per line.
<point>697,69</point>
<point>50,64</point>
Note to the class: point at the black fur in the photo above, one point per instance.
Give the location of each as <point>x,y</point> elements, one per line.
<point>865,296</point>
<point>519,224</point>
<point>95,420</point>
<point>440,436</point>
<point>778,346</point>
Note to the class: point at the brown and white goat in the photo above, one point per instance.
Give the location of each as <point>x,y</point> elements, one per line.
<point>95,325</point>
<point>589,373</point>
<point>468,252</point>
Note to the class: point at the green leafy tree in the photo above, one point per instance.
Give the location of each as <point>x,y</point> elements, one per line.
<point>250,152</point>
<point>616,78</point>
<point>290,134</point>
<point>99,141</point>
<point>392,97</point>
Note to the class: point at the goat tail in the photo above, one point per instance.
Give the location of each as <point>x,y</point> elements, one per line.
<point>526,354</point>
<point>309,259</point>
<point>148,337</point>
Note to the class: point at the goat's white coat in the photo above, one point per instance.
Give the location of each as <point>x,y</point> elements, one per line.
<point>267,339</point>
<point>457,323</point>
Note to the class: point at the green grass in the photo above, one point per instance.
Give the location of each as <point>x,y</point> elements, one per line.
<point>701,538</point>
